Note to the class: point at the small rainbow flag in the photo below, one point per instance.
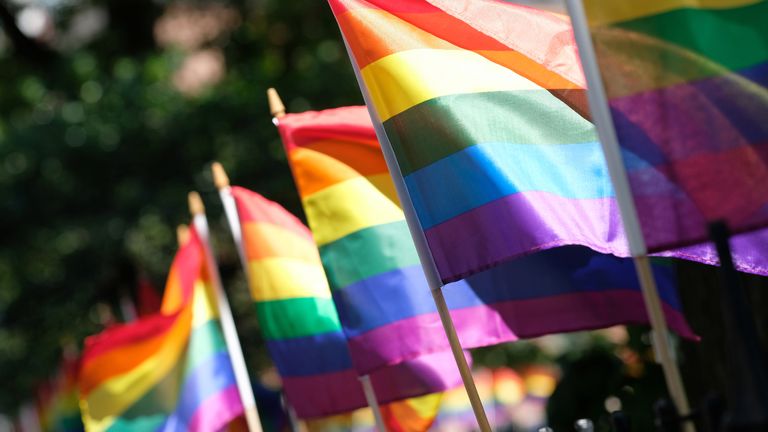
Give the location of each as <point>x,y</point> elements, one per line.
<point>169,371</point>
<point>62,410</point>
<point>301,325</point>
<point>687,83</point>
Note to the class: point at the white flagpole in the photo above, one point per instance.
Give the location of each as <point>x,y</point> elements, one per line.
<point>244,388</point>
<point>601,115</point>
<point>128,308</point>
<point>221,180</point>
<point>422,248</point>
<point>373,402</point>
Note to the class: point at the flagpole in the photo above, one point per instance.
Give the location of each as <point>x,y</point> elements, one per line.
<point>422,248</point>
<point>601,115</point>
<point>127,308</point>
<point>221,180</point>
<point>373,402</point>
<point>244,388</point>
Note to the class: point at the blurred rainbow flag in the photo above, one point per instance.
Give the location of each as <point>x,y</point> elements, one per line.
<point>60,411</point>
<point>169,371</point>
<point>412,415</point>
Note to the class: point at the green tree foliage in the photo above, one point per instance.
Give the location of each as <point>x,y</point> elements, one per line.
<point>99,147</point>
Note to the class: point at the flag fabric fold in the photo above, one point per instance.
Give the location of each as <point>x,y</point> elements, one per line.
<point>385,305</point>
<point>168,371</point>
<point>301,325</point>
<point>687,86</point>
<point>483,103</point>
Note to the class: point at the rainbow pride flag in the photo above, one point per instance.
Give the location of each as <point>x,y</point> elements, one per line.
<point>687,83</point>
<point>412,415</point>
<point>301,325</point>
<point>483,103</point>
<point>169,371</point>
<point>385,306</point>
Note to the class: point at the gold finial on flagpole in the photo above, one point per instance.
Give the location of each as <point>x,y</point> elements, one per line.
<point>276,107</point>
<point>196,206</point>
<point>182,234</point>
<point>220,177</point>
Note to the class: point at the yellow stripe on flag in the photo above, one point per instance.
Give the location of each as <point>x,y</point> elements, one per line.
<point>285,278</point>
<point>203,306</point>
<point>408,78</point>
<point>348,207</point>
<point>383,182</point>
<point>267,240</point>
<point>602,12</point>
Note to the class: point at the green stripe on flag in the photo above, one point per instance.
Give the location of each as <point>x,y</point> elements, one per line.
<point>368,252</point>
<point>206,341</point>
<point>148,423</point>
<point>442,126</point>
<point>297,317</point>
<point>734,38</point>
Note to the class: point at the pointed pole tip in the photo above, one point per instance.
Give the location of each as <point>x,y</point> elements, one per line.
<point>220,177</point>
<point>196,206</point>
<point>276,106</point>
<point>182,234</point>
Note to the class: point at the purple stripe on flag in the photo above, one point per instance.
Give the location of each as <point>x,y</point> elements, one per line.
<point>217,411</point>
<point>429,373</point>
<point>710,139</point>
<point>324,394</point>
<point>334,393</point>
<point>474,241</point>
<point>749,252</point>
<point>520,224</point>
<point>509,321</point>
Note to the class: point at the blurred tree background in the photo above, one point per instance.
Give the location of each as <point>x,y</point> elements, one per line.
<point>112,110</point>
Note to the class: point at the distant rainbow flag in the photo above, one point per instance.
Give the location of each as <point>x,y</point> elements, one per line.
<point>301,325</point>
<point>412,415</point>
<point>483,103</point>
<point>687,83</point>
<point>409,415</point>
<point>385,306</point>
<point>169,371</point>
<point>62,413</point>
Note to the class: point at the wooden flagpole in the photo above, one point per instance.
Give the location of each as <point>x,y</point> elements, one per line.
<point>244,388</point>
<point>598,103</point>
<point>277,109</point>
<point>422,248</point>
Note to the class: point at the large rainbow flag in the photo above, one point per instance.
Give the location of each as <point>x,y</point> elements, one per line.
<point>385,306</point>
<point>483,103</point>
<point>170,371</point>
<point>687,83</point>
<point>301,325</point>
